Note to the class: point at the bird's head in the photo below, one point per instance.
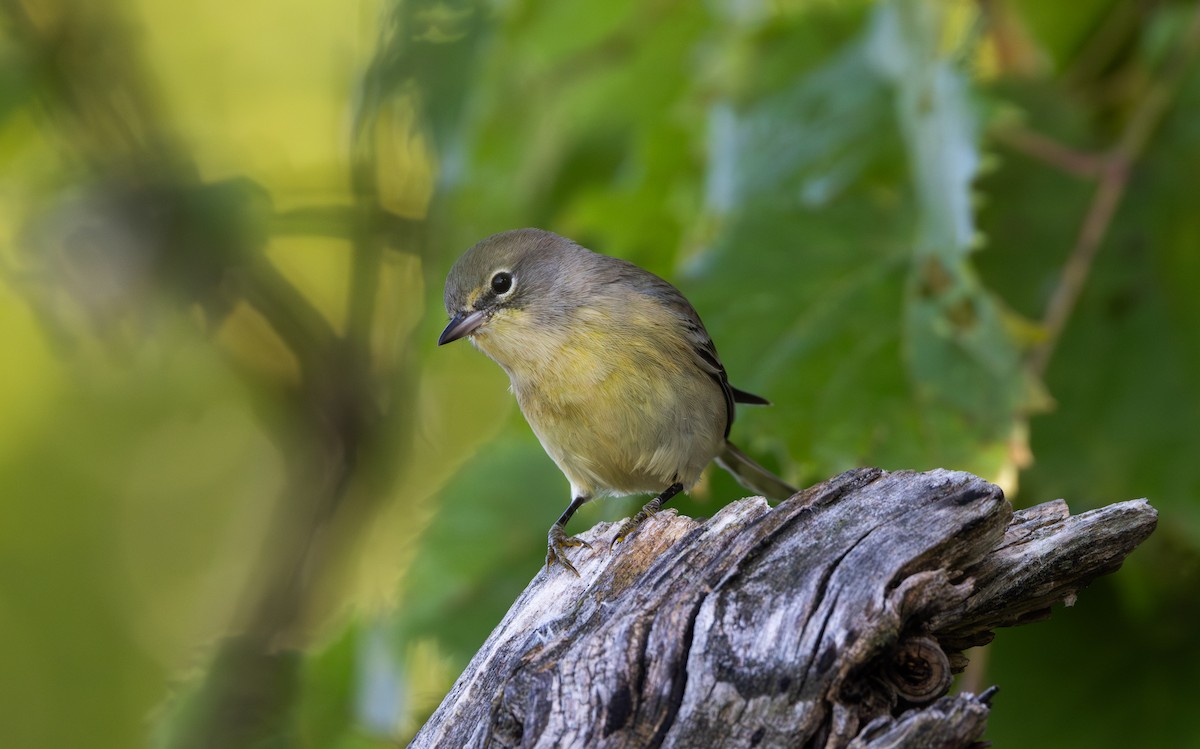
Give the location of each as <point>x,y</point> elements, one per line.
<point>512,288</point>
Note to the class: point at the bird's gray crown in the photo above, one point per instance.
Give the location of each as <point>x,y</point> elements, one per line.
<point>542,263</point>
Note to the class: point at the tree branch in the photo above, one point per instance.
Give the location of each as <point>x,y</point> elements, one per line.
<point>834,619</point>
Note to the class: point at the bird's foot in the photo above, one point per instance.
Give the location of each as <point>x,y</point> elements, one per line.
<point>630,526</point>
<point>557,541</point>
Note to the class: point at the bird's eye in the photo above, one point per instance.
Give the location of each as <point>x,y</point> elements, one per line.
<point>502,282</point>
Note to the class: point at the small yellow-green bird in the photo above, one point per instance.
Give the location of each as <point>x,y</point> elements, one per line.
<point>612,369</point>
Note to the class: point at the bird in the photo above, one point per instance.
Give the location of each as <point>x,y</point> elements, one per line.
<point>611,366</point>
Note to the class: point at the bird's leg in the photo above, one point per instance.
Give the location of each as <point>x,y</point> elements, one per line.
<point>558,540</point>
<point>650,508</point>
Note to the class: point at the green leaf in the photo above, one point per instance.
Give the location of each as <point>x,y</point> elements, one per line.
<point>886,350</point>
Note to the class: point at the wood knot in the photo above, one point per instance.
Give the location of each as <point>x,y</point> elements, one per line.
<point>507,729</point>
<point>919,671</point>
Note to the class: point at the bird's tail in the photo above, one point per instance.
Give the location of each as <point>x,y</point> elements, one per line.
<point>751,475</point>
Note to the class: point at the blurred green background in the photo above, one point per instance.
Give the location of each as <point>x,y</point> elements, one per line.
<point>245,501</point>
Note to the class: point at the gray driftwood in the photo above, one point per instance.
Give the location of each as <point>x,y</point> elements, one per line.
<point>834,619</point>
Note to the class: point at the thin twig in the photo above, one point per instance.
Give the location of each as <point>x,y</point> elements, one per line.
<point>1114,179</point>
<point>1037,146</point>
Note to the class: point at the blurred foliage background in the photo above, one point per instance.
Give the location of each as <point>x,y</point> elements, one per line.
<point>245,501</point>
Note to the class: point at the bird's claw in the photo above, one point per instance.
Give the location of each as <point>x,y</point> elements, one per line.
<point>557,541</point>
<point>630,526</point>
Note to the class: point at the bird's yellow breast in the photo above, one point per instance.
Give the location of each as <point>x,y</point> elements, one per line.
<point>617,400</point>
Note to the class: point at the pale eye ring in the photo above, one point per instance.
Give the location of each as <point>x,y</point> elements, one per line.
<point>502,283</point>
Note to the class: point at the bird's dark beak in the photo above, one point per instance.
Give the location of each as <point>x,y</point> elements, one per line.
<point>463,324</point>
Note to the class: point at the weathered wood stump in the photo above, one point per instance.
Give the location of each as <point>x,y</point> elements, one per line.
<point>834,619</point>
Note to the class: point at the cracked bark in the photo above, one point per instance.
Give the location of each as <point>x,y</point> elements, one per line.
<point>831,620</point>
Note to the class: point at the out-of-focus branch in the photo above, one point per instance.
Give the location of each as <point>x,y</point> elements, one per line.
<point>340,222</point>
<point>368,241</point>
<point>105,107</point>
<point>302,328</point>
<point>191,240</point>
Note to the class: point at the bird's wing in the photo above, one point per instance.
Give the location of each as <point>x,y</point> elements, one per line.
<point>749,399</point>
<point>706,356</point>
<point>704,351</point>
